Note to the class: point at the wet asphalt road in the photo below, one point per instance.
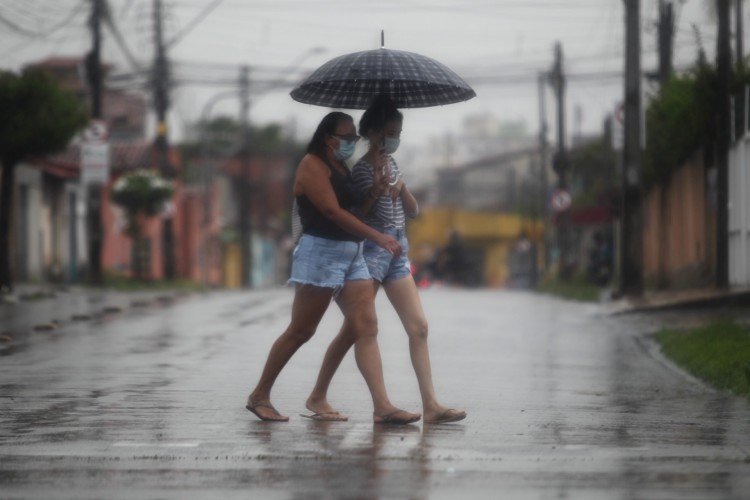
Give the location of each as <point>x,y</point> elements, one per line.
<point>563,401</point>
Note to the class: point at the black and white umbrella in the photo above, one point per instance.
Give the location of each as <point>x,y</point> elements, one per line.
<point>411,80</point>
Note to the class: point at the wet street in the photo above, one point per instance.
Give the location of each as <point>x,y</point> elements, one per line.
<point>564,401</point>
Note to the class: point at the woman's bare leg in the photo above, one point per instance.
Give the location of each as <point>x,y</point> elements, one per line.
<point>310,303</point>
<point>340,345</point>
<point>357,302</point>
<point>318,400</point>
<point>404,296</point>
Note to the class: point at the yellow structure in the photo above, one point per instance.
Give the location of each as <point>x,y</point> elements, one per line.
<point>232,266</point>
<point>492,234</point>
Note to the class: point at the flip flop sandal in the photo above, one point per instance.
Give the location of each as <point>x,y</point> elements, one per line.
<point>326,416</point>
<point>392,419</point>
<point>445,417</point>
<point>253,408</point>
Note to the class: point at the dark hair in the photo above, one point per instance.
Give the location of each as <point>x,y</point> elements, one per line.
<point>382,110</point>
<point>327,126</point>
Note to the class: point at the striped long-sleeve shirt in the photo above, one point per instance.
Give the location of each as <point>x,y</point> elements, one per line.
<point>385,211</point>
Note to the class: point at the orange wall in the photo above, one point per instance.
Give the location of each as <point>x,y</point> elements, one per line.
<point>187,227</point>
<point>678,230</point>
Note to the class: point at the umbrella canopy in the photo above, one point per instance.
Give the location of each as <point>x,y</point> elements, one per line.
<point>411,80</point>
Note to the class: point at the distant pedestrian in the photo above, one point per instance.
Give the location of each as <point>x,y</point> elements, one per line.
<point>387,204</point>
<point>328,264</point>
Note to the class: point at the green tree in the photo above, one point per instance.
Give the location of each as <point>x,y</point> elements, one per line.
<point>38,118</point>
<point>592,171</point>
<point>222,136</point>
<point>141,194</point>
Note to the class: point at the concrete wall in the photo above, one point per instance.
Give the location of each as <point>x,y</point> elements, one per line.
<point>679,230</point>
<point>27,236</point>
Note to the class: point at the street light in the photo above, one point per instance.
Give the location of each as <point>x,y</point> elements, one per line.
<point>241,92</point>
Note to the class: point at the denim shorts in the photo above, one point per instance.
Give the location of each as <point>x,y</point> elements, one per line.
<point>383,265</point>
<point>327,263</point>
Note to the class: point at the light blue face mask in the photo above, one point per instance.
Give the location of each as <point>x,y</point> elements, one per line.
<point>345,150</point>
<point>391,144</point>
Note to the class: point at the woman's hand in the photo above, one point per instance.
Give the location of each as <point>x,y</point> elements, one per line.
<point>395,190</point>
<point>380,175</point>
<point>390,244</point>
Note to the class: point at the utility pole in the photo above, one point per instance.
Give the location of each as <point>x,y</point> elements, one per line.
<point>723,140</point>
<point>244,185</point>
<point>161,103</point>
<point>93,193</point>
<point>560,164</point>
<point>632,246</point>
<point>739,99</point>
<point>543,153</point>
<point>740,30</point>
<point>665,40</point>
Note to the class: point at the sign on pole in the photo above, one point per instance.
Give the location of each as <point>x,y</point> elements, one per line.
<point>560,200</point>
<point>95,158</point>
<point>618,127</point>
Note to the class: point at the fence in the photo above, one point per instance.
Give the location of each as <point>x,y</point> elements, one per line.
<point>739,212</point>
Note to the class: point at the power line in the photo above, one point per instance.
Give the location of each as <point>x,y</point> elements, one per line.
<point>45,32</point>
<point>118,36</point>
<point>202,15</point>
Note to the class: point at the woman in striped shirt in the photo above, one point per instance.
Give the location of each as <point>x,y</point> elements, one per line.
<point>387,202</point>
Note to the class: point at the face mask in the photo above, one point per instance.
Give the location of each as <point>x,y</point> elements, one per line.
<point>391,144</point>
<point>345,150</point>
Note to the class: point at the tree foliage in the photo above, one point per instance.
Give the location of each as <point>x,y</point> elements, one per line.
<point>223,136</point>
<point>37,118</point>
<point>592,171</point>
<point>142,191</point>
<point>680,120</point>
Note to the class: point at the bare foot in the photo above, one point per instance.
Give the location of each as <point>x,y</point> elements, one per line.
<point>443,415</point>
<point>322,410</point>
<point>396,417</point>
<point>265,411</point>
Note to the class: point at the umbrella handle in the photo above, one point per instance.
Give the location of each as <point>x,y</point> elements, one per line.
<point>382,39</point>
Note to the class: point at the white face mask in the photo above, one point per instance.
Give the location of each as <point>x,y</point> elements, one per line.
<point>391,144</point>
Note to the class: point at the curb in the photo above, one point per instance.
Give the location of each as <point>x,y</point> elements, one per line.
<point>695,299</point>
<point>69,310</point>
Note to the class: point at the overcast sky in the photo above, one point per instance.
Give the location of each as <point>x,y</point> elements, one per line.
<point>498,46</point>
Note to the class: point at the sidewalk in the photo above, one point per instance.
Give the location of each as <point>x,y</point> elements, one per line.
<point>652,301</point>
<point>42,309</point>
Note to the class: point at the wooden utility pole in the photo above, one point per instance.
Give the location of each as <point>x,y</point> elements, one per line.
<point>244,218</point>
<point>740,30</point>
<point>543,154</point>
<point>665,39</point>
<point>560,164</point>
<point>161,103</point>
<point>632,239</point>
<point>723,141</point>
<point>93,191</point>
<point>739,98</point>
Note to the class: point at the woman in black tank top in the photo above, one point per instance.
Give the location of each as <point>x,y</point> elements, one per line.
<point>320,188</point>
<point>381,125</point>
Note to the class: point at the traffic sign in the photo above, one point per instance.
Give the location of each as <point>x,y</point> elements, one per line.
<point>97,131</point>
<point>95,153</point>
<point>95,163</point>
<point>560,200</point>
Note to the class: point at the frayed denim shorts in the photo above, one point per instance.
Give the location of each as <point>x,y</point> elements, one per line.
<point>327,263</point>
<point>383,265</point>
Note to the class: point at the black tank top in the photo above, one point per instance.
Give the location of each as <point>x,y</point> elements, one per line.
<point>315,223</point>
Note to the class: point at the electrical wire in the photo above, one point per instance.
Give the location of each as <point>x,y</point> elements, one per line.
<point>119,39</point>
<point>202,15</point>
<point>43,33</point>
